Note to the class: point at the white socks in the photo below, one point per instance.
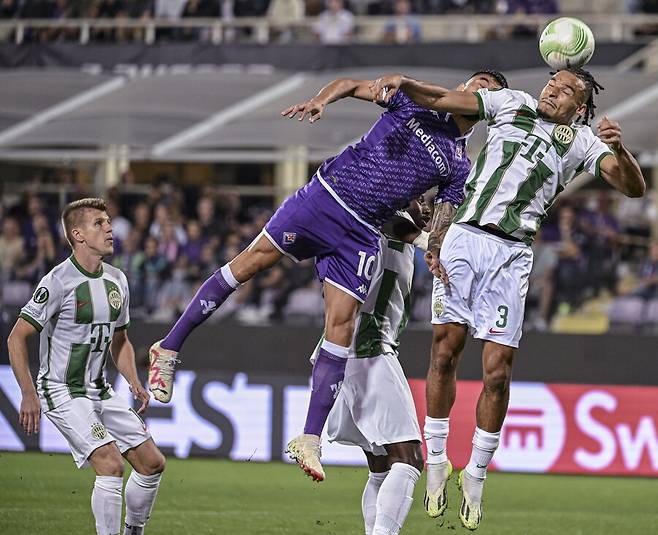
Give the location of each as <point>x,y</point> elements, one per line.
<point>229,277</point>
<point>369,499</point>
<point>436,437</point>
<point>395,498</point>
<point>141,491</point>
<point>484,446</point>
<point>106,503</point>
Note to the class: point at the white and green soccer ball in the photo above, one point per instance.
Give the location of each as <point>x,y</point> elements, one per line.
<point>566,42</point>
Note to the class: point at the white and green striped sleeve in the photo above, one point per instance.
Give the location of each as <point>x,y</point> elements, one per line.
<point>45,303</point>
<point>492,103</point>
<point>596,151</point>
<point>123,321</point>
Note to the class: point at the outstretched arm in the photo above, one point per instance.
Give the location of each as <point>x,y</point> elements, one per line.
<point>123,354</point>
<point>30,411</point>
<point>333,91</point>
<point>441,219</point>
<point>621,171</point>
<point>433,97</point>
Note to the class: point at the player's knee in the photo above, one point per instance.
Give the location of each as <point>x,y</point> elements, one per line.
<point>408,453</point>
<point>444,358</point>
<point>497,380</point>
<point>158,465</point>
<point>112,466</point>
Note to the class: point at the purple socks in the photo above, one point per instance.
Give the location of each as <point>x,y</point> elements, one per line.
<point>328,374</point>
<point>208,298</point>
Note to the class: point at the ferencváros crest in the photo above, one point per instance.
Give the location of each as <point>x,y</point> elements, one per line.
<point>563,134</point>
<point>98,431</point>
<point>438,307</point>
<point>114,297</point>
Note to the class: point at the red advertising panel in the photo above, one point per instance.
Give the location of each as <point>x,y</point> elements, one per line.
<point>562,428</point>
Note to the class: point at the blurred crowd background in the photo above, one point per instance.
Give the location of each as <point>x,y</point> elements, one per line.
<point>334,19</point>
<point>594,256</point>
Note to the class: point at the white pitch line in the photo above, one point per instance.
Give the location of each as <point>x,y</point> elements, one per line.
<point>221,118</point>
<point>66,106</point>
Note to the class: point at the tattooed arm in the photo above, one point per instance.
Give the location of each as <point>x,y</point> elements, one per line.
<point>441,219</point>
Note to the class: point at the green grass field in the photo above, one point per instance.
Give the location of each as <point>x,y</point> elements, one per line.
<point>41,493</point>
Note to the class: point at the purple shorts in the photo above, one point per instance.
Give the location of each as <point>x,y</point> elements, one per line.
<point>311,223</point>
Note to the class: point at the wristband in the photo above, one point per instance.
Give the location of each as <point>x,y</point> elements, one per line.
<point>422,240</point>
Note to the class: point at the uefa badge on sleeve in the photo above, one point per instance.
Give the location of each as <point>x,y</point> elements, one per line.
<point>41,295</point>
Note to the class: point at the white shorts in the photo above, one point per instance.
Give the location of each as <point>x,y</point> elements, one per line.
<point>374,406</point>
<point>488,284</point>
<point>89,424</point>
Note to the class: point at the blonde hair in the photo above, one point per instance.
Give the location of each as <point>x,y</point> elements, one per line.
<point>74,211</point>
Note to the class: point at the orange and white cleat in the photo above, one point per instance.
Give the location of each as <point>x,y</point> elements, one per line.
<point>305,449</point>
<point>161,372</point>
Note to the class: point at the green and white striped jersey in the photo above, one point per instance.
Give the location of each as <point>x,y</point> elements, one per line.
<point>76,313</point>
<point>385,312</point>
<point>525,164</point>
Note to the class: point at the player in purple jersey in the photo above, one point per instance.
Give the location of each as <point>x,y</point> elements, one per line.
<point>335,218</point>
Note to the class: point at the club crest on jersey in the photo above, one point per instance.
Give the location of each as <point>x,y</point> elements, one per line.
<point>41,295</point>
<point>438,307</point>
<point>289,238</point>
<point>114,298</point>
<point>563,134</point>
<point>98,431</point>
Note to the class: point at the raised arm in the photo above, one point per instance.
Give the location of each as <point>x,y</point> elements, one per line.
<point>433,97</point>
<point>30,411</point>
<point>621,171</point>
<point>441,219</point>
<point>333,91</point>
<point>123,354</point>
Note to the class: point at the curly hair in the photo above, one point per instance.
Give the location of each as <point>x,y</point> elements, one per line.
<point>592,87</point>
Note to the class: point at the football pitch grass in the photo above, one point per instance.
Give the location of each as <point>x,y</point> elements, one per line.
<point>45,493</point>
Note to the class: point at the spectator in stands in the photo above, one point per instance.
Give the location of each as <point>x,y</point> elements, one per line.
<point>403,27</point>
<point>282,14</point>
<point>601,232</point>
<point>195,242</point>
<point>43,254</point>
<point>570,270</point>
<point>8,9</point>
<point>164,216</point>
<point>156,269</point>
<point>211,228</point>
<point>120,225</point>
<point>198,9</point>
<point>647,285</point>
<point>335,25</point>
<point>12,247</point>
<point>541,283</point>
<point>131,262</point>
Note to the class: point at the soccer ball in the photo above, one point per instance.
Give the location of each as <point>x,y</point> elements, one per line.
<point>566,42</point>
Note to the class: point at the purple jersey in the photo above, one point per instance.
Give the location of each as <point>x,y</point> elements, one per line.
<point>407,151</point>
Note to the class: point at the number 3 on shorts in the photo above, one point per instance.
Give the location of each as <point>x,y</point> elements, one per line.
<point>503,310</point>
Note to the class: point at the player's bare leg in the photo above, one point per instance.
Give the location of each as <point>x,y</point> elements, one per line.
<point>142,487</point>
<point>497,362</point>
<point>447,345</point>
<point>106,498</point>
<point>328,374</point>
<point>163,355</point>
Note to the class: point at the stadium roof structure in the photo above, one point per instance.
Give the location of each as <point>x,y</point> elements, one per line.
<point>234,114</point>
